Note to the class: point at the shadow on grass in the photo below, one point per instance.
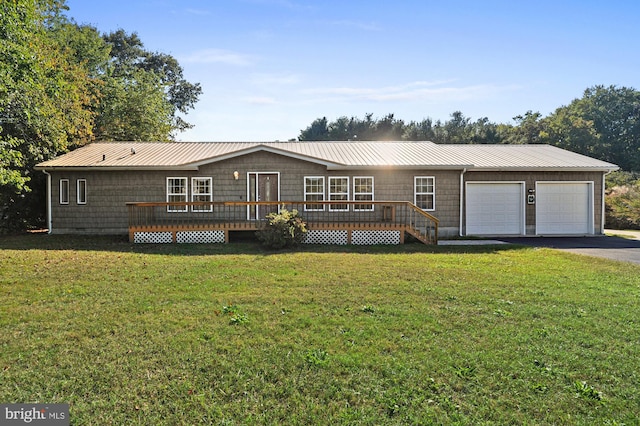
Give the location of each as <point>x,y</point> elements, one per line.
<point>117,243</point>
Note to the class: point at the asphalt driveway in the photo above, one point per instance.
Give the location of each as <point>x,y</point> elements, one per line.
<point>610,247</point>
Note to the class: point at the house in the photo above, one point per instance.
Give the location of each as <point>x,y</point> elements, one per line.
<point>348,192</point>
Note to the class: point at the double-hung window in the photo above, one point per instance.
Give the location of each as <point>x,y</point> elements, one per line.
<point>425,192</point>
<point>81,191</point>
<point>338,191</point>
<point>201,191</point>
<point>363,191</point>
<point>313,191</point>
<point>64,191</point>
<point>177,193</point>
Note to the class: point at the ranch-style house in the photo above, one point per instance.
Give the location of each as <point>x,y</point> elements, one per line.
<point>346,192</point>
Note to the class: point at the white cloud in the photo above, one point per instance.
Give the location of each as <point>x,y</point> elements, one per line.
<point>199,12</point>
<point>260,100</point>
<point>280,3</point>
<point>414,91</point>
<point>283,79</point>
<point>220,56</point>
<point>366,26</point>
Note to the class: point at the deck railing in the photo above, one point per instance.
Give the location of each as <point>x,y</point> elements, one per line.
<point>242,216</point>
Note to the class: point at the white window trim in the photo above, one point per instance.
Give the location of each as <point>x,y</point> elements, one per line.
<point>201,209</point>
<point>338,193</point>
<point>64,191</point>
<point>416,193</point>
<point>81,192</point>
<point>173,209</point>
<point>322,178</point>
<point>364,193</point>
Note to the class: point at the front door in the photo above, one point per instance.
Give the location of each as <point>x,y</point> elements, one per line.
<point>263,187</point>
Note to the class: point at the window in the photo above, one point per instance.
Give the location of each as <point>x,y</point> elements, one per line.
<point>338,191</point>
<point>363,191</point>
<point>425,192</point>
<point>177,193</point>
<point>64,191</point>
<point>81,193</point>
<point>314,191</point>
<point>201,190</point>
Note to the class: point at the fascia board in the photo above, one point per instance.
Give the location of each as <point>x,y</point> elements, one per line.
<point>402,167</point>
<point>116,168</point>
<point>543,169</point>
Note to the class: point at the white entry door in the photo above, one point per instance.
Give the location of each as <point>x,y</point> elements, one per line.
<point>564,208</point>
<point>495,208</point>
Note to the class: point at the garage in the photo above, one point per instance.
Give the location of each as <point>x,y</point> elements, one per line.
<point>495,208</point>
<point>564,208</point>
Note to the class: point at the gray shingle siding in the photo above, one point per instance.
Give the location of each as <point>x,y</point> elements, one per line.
<point>108,191</point>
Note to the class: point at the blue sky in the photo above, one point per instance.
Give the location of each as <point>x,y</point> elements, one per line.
<point>268,68</point>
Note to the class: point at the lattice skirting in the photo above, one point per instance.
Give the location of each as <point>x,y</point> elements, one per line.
<point>152,237</point>
<point>339,237</point>
<point>375,237</point>
<point>203,237</point>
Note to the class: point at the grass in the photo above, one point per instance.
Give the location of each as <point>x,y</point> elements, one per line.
<point>231,334</point>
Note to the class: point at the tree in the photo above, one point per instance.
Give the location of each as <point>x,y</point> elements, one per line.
<point>63,85</point>
<point>608,121</point>
<point>529,129</point>
<point>149,84</point>
<point>459,129</point>
<point>342,129</point>
<point>317,131</point>
<point>573,132</point>
<point>138,94</point>
<point>389,128</point>
<point>419,131</point>
<point>134,109</point>
<point>44,101</point>
<point>354,128</point>
<point>456,129</point>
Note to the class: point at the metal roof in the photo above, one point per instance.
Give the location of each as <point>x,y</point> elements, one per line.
<point>335,155</point>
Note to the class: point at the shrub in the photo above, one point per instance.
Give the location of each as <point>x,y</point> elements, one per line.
<point>623,207</point>
<point>284,229</point>
<point>622,201</point>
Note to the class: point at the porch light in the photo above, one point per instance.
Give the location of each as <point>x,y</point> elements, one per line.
<point>236,175</point>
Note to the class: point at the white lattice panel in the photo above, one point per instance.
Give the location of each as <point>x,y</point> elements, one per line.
<point>152,237</point>
<point>375,237</point>
<point>200,237</point>
<point>326,237</point>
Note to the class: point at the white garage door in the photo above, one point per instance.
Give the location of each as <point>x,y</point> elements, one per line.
<point>495,208</point>
<point>564,208</point>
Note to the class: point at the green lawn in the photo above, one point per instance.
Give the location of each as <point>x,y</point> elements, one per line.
<point>232,334</point>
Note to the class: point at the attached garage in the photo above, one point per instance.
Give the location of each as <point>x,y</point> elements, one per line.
<point>495,208</point>
<point>564,208</point>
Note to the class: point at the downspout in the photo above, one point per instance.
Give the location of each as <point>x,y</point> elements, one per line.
<point>602,199</point>
<point>461,198</point>
<point>48,201</point>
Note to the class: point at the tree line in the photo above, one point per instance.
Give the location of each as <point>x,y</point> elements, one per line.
<point>63,85</point>
<point>604,124</point>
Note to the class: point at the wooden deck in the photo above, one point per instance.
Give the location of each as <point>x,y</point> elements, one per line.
<point>398,218</point>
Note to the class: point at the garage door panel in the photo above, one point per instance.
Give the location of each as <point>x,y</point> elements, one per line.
<point>494,208</point>
<point>564,208</point>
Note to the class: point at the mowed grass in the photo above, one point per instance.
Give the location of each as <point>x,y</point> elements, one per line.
<point>233,334</point>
